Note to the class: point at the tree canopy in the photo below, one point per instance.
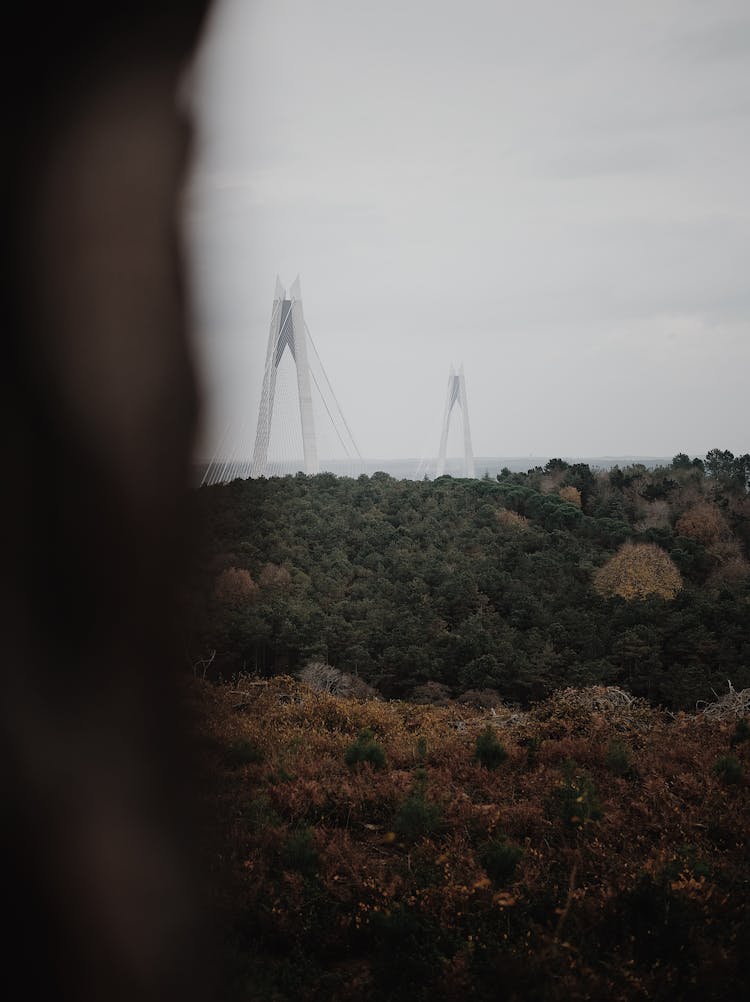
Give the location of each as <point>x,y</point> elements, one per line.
<point>507,585</point>
<point>638,570</point>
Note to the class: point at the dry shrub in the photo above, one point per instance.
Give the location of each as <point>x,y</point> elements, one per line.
<point>636,571</point>
<point>481,699</point>
<point>325,678</point>
<point>579,749</point>
<point>524,818</point>
<point>511,520</point>
<point>235,587</point>
<point>731,706</point>
<point>576,710</point>
<point>571,494</point>
<point>596,698</point>
<point>507,717</point>
<point>400,850</point>
<point>431,694</point>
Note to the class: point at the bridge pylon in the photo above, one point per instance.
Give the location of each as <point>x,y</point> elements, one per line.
<point>287,330</point>
<point>456,395</point>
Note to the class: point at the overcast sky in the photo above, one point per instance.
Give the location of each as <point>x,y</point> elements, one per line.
<point>556,194</point>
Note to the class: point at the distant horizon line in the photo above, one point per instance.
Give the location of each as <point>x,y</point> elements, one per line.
<point>478,460</point>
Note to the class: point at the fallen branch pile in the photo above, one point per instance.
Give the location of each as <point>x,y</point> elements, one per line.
<point>731,706</point>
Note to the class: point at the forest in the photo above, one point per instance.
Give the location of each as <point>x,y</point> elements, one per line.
<point>506,589</point>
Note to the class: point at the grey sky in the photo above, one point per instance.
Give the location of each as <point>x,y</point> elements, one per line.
<point>554,193</point>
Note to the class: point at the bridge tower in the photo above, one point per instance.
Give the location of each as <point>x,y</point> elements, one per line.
<point>456,395</point>
<point>287,330</point>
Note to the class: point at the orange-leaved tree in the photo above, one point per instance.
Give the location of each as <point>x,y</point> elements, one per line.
<point>274,576</point>
<point>638,570</point>
<point>704,523</point>
<point>235,587</point>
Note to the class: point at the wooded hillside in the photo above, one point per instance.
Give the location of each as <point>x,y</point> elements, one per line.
<point>561,576</point>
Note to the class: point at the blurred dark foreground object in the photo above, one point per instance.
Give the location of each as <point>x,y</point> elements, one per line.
<point>99,407</point>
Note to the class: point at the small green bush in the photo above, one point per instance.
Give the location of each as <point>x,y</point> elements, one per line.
<point>417,815</point>
<point>365,749</point>
<point>488,751</point>
<point>532,745</point>
<point>500,859</point>
<point>281,775</point>
<point>409,947</point>
<point>244,753</point>
<point>298,852</point>
<point>686,860</point>
<point>729,769</point>
<point>260,814</point>
<point>618,760</point>
<point>741,733</point>
<point>577,800</point>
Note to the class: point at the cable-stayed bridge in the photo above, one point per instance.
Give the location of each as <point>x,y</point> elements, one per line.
<point>300,419</point>
<point>300,425</point>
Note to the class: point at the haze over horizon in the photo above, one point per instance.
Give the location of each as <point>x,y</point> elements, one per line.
<point>554,195</point>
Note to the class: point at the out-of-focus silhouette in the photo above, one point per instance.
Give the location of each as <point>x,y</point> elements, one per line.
<point>99,410</point>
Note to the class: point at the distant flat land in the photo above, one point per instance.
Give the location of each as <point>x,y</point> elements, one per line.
<point>415,469</point>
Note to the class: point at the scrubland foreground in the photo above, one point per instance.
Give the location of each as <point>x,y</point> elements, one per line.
<point>590,847</point>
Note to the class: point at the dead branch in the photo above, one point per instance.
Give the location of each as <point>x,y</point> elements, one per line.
<point>730,706</point>
<point>204,664</point>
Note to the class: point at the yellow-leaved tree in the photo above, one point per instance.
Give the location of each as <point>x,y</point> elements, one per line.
<point>638,570</point>
<point>571,494</point>
<point>511,520</point>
